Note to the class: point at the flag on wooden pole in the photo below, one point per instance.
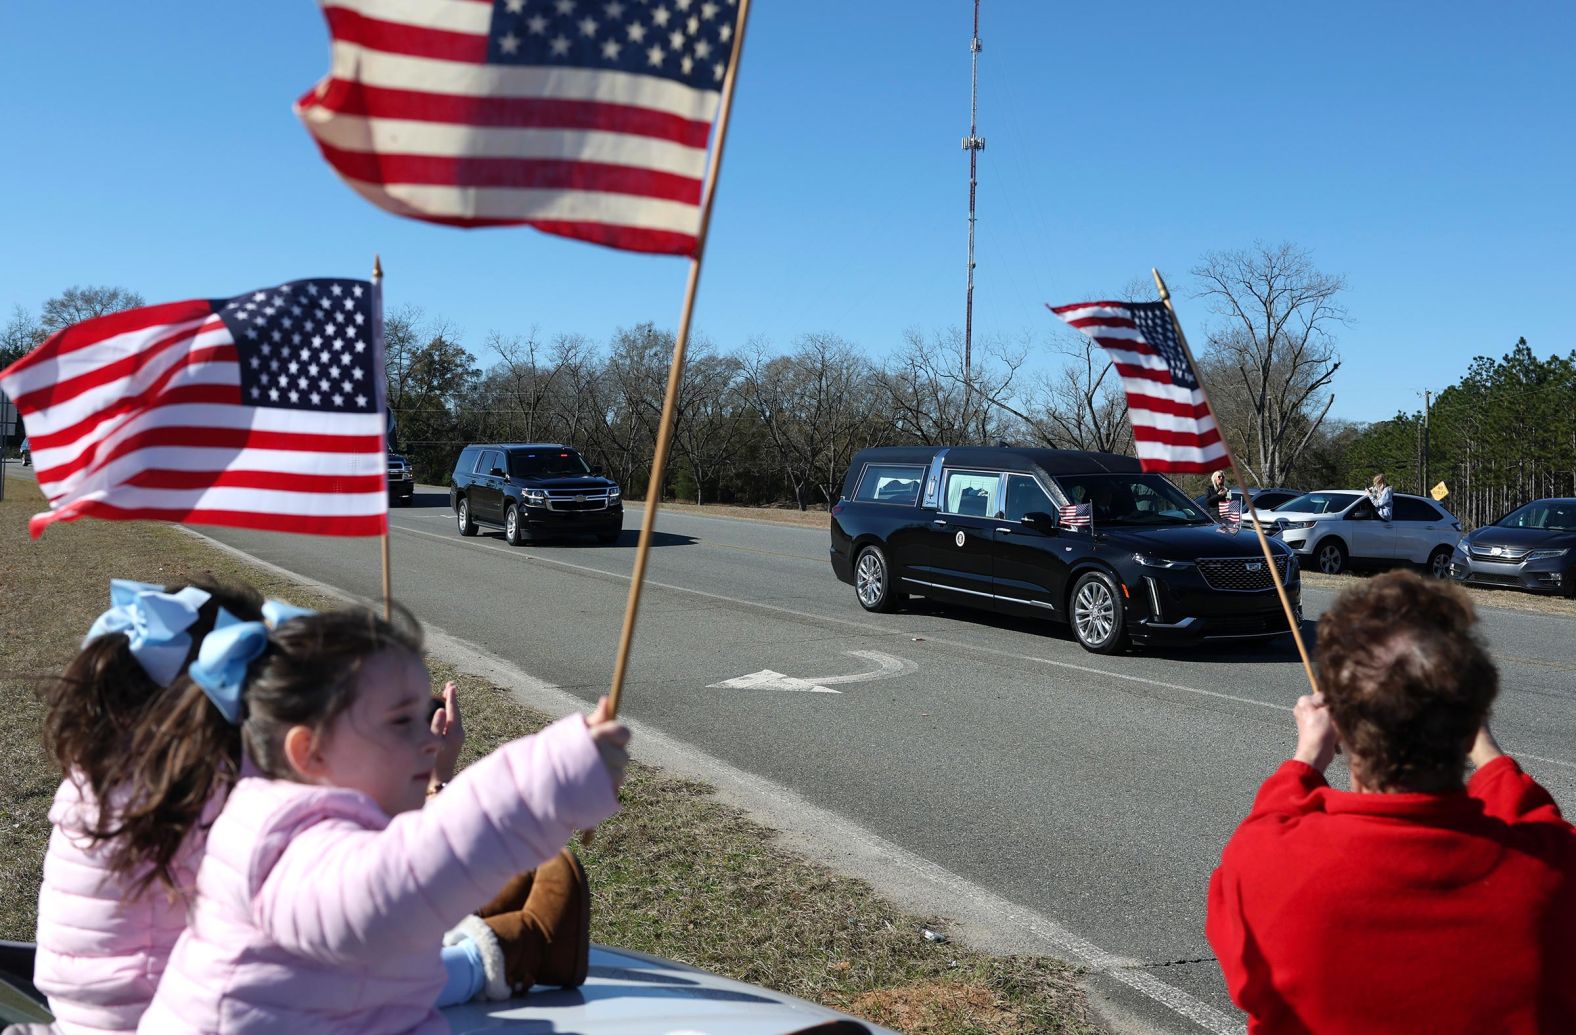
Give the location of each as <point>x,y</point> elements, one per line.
<point>1173,428</point>
<point>586,120</point>
<point>260,411</point>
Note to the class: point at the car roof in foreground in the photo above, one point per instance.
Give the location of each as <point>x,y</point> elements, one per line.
<point>630,993</point>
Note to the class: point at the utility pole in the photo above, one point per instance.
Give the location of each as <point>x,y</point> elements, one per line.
<point>1427,435</point>
<point>973,144</point>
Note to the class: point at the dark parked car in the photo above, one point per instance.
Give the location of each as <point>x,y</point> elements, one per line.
<point>402,479</point>
<point>1533,547</point>
<point>533,490</point>
<point>979,526</point>
<point>1262,499</point>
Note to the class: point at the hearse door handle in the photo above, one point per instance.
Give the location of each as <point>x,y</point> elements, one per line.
<point>939,521</point>
<point>1004,531</point>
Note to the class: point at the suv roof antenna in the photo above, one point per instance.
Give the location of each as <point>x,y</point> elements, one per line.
<point>973,144</point>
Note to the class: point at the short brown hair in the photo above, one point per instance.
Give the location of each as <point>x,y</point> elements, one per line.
<point>1407,679</point>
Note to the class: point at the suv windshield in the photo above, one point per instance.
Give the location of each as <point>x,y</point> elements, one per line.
<point>1320,503</point>
<point>546,463</point>
<point>1549,515</point>
<point>1133,499</point>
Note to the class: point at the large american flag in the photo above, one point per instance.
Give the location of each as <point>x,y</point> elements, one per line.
<point>260,411</point>
<point>584,118</point>
<point>1173,428</point>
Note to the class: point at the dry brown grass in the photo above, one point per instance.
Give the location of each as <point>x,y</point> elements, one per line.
<point>1504,599</point>
<point>675,873</point>
<point>779,515</point>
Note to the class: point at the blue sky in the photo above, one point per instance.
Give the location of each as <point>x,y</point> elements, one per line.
<point>1427,151</point>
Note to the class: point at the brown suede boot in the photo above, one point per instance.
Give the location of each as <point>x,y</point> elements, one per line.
<point>512,897</point>
<point>547,941</point>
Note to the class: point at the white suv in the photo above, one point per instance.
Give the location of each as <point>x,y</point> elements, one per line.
<point>1334,529</point>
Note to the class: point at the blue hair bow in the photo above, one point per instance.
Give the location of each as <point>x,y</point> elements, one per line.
<point>222,660</point>
<point>277,612</point>
<point>155,623</point>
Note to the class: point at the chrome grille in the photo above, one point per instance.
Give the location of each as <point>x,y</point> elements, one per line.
<point>1240,574</point>
<point>573,500</point>
<point>1505,553</point>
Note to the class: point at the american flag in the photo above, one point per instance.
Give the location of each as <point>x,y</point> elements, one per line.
<point>583,118</point>
<point>1230,516</point>
<point>1173,427</point>
<point>260,411</point>
<point>1076,515</point>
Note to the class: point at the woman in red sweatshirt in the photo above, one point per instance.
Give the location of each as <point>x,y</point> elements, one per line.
<point>1416,902</point>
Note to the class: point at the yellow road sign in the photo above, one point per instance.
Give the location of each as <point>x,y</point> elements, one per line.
<point>1439,491</point>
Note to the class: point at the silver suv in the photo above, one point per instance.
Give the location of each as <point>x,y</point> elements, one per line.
<point>1334,529</point>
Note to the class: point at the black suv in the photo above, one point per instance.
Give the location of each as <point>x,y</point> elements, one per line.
<point>979,526</point>
<point>532,490</point>
<point>402,479</point>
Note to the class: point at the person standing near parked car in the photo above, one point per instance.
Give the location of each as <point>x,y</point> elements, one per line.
<point>1217,494</point>
<point>27,453</point>
<point>1383,497</point>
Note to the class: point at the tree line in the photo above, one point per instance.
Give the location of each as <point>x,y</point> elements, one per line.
<point>762,423</point>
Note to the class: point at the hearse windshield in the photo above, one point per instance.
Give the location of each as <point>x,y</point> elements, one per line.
<point>1133,499</point>
<point>546,463</point>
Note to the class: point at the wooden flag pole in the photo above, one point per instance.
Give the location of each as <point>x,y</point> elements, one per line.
<point>659,460</point>
<point>1247,500</point>
<point>377,328</point>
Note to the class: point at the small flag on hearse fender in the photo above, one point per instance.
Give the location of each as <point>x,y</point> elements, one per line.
<point>1078,515</point>
<point>260,411</point>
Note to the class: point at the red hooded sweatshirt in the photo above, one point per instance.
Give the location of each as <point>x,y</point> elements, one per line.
<point>1334,912</point>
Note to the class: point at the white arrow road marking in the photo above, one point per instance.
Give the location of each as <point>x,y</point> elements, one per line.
<point>767,679</point>
<point>890,666</point>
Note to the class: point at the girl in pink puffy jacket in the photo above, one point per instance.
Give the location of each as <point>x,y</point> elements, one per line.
<point>326,884</point>
<point>118,876</point>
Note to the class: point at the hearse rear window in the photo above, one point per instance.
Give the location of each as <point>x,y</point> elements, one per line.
<point>890,483</point>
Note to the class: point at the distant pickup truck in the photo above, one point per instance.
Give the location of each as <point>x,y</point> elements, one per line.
<point>533,490</point>
<point>402,479</point>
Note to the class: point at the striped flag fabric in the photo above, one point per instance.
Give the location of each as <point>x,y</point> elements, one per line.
<point>1078,515</point>
<point>1230,516</point>
<point>260,411</point>
<point>587,120</point>
<point>1173,428</point>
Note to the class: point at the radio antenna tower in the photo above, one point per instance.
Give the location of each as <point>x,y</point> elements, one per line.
<point>973,144</point>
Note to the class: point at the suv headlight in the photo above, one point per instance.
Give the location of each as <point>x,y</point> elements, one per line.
<point>1546,555</point>
<point>613,494</point>
<point>1151,561</point>
<point>536,497</point>
<point>1284,524</point>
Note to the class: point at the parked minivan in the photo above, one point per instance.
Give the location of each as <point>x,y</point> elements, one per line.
<point>982,526</point>
<point>532,490</point>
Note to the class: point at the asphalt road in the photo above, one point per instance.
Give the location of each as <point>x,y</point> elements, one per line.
<point>1095,790</point>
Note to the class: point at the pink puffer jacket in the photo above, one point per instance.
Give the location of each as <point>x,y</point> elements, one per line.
<point>316,913</point>
<point>100,950</point>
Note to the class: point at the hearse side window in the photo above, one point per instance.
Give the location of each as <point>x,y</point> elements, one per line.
<point>890,483</point>
<point>1024,496</point>
<point>972,494</point>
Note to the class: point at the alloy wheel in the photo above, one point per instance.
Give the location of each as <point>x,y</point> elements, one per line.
<point>464,514</point>
<point>1330,560</point>
<point>511,525</point>
<point>870,579</point>
<point>1094,612</point>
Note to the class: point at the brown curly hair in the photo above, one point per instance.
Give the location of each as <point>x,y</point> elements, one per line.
<point>1407,679</point>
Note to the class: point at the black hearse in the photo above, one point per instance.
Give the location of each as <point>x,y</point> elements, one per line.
<point>979,525</point>
<point>533,490</point>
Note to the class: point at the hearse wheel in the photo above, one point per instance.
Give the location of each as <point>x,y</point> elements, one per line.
<point>1097,617</point>
<point>873,581</point>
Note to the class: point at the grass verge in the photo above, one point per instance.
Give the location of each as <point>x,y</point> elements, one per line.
<point>675,873</point>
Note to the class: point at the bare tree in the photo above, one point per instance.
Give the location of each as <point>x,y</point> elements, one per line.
<point>76,304</point>
<point>1082,405</point>
<point>21,335</point>
<point>927,397</point>
<point>1273,359</point>
<point>712,417</point>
